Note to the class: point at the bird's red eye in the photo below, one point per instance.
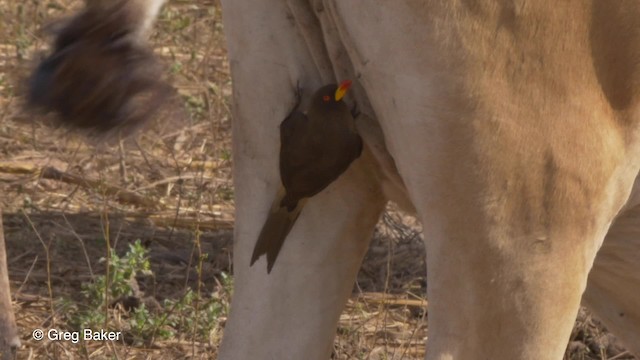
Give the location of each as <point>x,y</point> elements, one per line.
<point>326,98</point>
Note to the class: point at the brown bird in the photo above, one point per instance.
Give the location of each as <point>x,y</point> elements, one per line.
<point>315,149</point>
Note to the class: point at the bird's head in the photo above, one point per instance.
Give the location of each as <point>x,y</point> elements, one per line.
<point>330,96</point>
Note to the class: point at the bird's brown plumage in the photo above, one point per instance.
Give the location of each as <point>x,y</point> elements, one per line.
<point>315,149</point>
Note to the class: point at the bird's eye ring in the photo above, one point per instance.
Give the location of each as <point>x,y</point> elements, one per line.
<point>326,98</point>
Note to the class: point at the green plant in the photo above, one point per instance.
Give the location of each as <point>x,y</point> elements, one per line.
<point>191,315</point>
<point>122,272</point>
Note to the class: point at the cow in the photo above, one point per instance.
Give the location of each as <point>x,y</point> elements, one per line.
<point>509,127</point>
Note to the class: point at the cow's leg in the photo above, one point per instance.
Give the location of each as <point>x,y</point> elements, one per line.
<point>613,290</point>
<point>9,340</point>
<point>291,313</point>
<point>516,182</point>
<point>505,279</point>
<point>510,239</point>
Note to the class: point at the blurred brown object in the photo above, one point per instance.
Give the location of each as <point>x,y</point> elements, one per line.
<point>100,78</point>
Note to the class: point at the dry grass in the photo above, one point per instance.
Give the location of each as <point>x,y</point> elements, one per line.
<point>66,203</point>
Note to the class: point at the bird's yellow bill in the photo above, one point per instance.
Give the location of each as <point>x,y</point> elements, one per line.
<point>342,89</point>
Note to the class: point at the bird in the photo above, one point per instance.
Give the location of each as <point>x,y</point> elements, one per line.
<point>316,147</point>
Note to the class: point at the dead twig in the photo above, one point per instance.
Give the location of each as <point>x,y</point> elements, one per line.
<point>121,194</point>
<point>48,172</point>
<point>387,299</point>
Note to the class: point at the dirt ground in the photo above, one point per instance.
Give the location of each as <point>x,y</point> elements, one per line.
<point>66,203</point>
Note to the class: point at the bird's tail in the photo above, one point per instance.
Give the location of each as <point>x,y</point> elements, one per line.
<point>275,230</point>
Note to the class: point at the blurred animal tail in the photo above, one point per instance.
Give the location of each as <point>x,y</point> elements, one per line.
<point>279,223</point>
<point>98,78</point>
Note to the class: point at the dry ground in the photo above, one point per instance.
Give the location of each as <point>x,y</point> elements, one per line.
<point>66,203</point>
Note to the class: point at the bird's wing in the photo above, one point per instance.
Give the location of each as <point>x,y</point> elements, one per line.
<point>309,163</point>
<point>295,122</point>
<point>299,148</point>
<point>294,153</point>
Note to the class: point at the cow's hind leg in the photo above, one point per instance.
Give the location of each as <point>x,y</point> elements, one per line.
<point>515,187</point>
<point>613,290</point>
<point>508,262</point>
<point>9,340</point>
<point>292,313</point>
